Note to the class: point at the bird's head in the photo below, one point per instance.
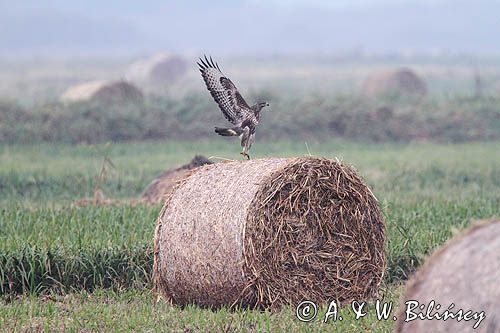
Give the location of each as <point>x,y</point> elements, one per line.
<point>258,106</point>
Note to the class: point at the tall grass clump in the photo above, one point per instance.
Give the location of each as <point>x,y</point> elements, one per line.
<point>35,270</point>
<point>66,249</point>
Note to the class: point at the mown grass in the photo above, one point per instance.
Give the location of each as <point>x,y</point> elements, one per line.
<point>63,173</point>
<point>138,311</point>
<point>57,249</point>
<point>102,256</point>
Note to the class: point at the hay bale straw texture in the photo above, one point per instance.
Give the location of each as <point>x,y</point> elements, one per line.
<point>269,232</point>
<point>402,81</point>
<point>103,91</point>
<point>465,272</point>
<point>160,187</point>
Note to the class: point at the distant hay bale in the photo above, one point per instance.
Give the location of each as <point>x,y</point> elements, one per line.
<point>465,272</point>
<point>269,232</point>
<point>162,185</point>
<point>160,70</point>
<point>103,91</point>
<point>399,82</point>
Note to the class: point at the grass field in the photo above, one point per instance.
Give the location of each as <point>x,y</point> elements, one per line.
<point>64,267</point>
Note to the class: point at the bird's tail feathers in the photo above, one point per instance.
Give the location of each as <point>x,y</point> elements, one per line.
<point>235,131</point>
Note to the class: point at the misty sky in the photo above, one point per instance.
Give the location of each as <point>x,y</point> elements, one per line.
<point>92,27</point>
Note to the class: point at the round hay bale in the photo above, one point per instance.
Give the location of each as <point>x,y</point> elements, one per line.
<point>465,272</point>
<point>104,92</point>
<point>269,232</point>
<point>399,82</point>
<point>156,191</point>
<point>159,70</point>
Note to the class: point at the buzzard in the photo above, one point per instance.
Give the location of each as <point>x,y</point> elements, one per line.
<point>244,118</point>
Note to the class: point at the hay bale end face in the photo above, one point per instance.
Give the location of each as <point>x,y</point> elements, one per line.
<point>398,82</point>
<point>269,232</point>
<point>465,272</point>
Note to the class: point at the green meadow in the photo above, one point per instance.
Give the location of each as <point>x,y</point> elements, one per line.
<point>67,267</point>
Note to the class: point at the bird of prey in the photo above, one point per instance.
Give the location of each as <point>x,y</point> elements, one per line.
<point>245,118</point>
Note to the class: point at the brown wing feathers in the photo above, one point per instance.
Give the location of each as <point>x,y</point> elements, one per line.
<point>224,92</point>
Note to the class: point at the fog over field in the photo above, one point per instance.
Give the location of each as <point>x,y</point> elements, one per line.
<point>248,27</point>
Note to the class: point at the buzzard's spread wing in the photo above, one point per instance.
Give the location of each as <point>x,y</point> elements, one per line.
<point>224,92</point>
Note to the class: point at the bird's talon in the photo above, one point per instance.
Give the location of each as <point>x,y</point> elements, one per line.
<point>235,109</point>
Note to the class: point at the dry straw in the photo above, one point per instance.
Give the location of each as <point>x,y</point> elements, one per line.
<point>269,232</point>
<point>464,272</point>
<point>156,192</point>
